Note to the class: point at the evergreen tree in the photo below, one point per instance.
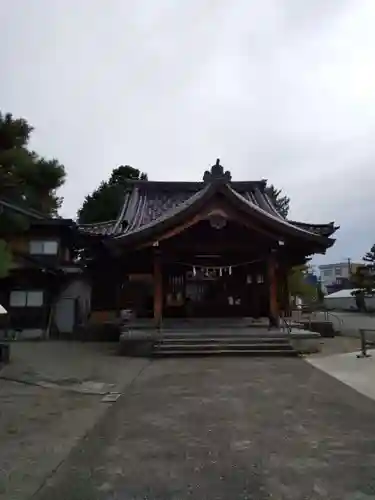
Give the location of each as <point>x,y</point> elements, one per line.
<point>299,286</point>
<point>26,179</point>
<point>281,202</point>
<point>105,202</point>
<point>364,277</point>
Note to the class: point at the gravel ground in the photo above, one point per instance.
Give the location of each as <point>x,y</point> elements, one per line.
<point>39,425</point>
<point>338,345</point>
<point>36,433</point>
<point>210,428</point>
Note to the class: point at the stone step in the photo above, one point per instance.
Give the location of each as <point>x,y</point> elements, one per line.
<point>223,340</point>
<point>227,352</point>
<point>207,324</point>
<point>216,345</point>
<point>226,334</point>
<point>245,344</point>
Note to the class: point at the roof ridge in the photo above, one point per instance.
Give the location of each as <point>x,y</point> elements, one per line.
<point>142,182</point>
<point>95,224</point>
<point>23,209</point>
<point>196,200</point>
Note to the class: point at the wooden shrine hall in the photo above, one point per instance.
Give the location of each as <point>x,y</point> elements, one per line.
<point>215,248</point>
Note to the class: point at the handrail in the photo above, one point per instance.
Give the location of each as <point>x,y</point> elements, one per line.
<point>340,320</point>
<point>327,314</point>
<point>285,325</point>
<point>313,314</point>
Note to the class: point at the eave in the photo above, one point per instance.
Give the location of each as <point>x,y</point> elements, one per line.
<point>194,205</point>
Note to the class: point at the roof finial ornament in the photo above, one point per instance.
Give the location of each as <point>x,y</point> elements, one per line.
<point>217,174</point>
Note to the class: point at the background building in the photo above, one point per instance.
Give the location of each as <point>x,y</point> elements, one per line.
<point>337,276</point>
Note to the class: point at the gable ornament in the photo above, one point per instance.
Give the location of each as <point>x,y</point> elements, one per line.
<point>217,174</point>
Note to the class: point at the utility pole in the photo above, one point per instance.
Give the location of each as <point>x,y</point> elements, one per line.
<point>350,281</point>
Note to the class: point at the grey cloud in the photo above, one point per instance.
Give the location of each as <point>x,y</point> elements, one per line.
<point>279,89</point>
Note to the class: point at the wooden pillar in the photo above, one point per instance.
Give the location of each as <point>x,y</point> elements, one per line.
<point>272,283</point>
<point>286,297</point>
<point>158,289</point>
<point>283,289</point>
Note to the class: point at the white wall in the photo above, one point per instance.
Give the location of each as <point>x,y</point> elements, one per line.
<point>342,303</point>
<point>347,303</point>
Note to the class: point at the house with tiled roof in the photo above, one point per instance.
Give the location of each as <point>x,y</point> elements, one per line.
<point>43,292</point>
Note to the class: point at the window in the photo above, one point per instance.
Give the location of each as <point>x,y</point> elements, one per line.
<point>26,298</point>
<point>40,247</point>
<point>338,271</point>
<point>327,273</point>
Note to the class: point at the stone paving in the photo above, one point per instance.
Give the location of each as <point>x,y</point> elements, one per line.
<point>358,373</point>
<point>222,428</point>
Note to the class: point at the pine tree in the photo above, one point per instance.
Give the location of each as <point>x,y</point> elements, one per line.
<point>104,203</point>
<point>26,179</point>
<point>280,202</point>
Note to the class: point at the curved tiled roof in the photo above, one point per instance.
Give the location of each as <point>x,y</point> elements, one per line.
<point>147,203</point>
<point>322,229</point>
<point>143,204</point>
<point>100,228</point>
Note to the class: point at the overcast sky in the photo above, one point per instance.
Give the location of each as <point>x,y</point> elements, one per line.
<point>278,89</point>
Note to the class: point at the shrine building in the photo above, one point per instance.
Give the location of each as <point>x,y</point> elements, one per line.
<point>215,248</point>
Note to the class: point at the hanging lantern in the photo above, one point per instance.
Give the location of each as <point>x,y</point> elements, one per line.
<point>194,271</point>
<point>221,272</point>
<point>230,270</point>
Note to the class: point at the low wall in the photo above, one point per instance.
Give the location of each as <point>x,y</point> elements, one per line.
<point>325,328</point>
<point>24,334</point>
<point>137,343</point>
<point>347,303</point>
<point>305,342</point>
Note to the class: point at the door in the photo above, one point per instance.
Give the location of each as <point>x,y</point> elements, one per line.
<point>65,315</point>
